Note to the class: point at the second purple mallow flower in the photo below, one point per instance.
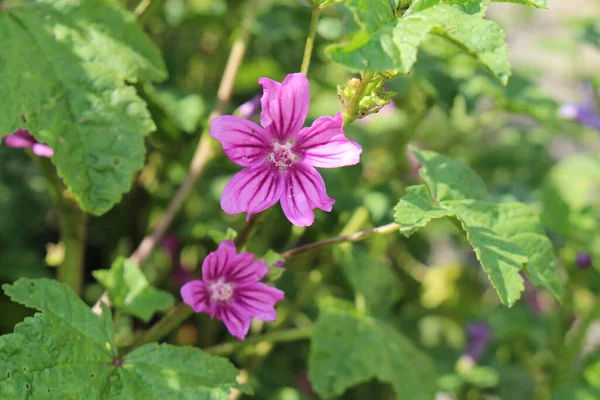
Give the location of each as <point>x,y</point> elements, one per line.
<point>22,139</point>
<point>280,156</point>
<point>231,290</point>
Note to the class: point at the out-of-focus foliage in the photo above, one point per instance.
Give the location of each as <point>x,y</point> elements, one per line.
<point>398,325</point>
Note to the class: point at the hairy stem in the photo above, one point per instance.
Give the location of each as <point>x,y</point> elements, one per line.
<point>310,40</point>
<point>204,151</point>
<point>288,335</point>
<point>354,237</point>
<point>351,112</point>
<point>73,228</point>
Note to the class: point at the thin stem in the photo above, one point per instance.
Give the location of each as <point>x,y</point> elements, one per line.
<point>73,228</point>
<point>310,40</point>
<point>351,112</point>
<point>204,152</point>
<point>249,230</point>
<point>162,328</point>
<point>288,335</point>
<point>573,349</point>
<point>142,7</point>
<point>345,238</point>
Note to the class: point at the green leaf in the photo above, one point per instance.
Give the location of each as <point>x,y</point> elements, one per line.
<point>372,277</point>
<point>473,7</point>
<point>64,66</point>
<point>130,291</point>
<point>535,3</point>
<point>348,349</point>
<point>506,237</point>
<point>416,209</point>
<point>68,352</point>
<point>371,14</point>
<point>185,110</point>
<point>470,6</point>
<point>394,46</point>
<point>521,96</point>
<point>449,179</point>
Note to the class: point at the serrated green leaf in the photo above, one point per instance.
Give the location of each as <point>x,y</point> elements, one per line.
<point>470,6</point>
<point>347,349</point>
<point>68,352</point>
<point>63,71</point>
<point>506,237</point>
<point>473,7</point>
<point>416,209</point>
<point>449,179</point>
<point>130,292</point>
<point>371,14</point>
<point>535,3</point>
<point>394,46</point>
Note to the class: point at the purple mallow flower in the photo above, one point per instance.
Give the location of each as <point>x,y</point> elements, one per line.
<point>479,336</point>
<point>280,157</point>
<point>23,139</point>
<point>583,260</point>
<point>231,290</point>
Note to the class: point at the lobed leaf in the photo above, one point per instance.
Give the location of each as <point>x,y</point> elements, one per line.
<point>506,237</point>
<point>68,352</point>
<point>394,46</point>
<point>63,71</point>
<point>348,349</point>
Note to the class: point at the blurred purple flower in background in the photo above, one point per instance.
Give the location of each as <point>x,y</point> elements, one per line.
<point>180,274</point>
<point>250,108</point>
<point>583,260</point>
<point>586,113</point>
<point>231,290</point>
<point>479,336</point>
<point>22,139</point>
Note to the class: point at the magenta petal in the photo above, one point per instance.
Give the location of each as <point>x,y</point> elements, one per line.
<point>259,300</point>
<point>252,190</point>
<point>325,145</point>
<point>20,139</point>
<point>338,152</point>
<point>215,263</point>
<point>195,295</point>
<point>237,323</point>
<point>42,150</point>
<point>244,142</point>
<point>284,105</point>
<point>243,268</point>
<point>321,131</point>
<point>304,191</point>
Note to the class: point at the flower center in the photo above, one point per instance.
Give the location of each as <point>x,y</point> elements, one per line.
<point>282,155</point>
<point>220,291</point>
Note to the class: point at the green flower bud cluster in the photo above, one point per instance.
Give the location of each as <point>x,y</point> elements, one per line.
<point>372,95</point>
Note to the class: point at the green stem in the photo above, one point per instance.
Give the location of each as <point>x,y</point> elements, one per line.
<point>351,112</point>
<point>354,237</point>
<point>249,230</point>
<point>573,349</point>
<point>288,335</point>
<point>162,328</point>
<point>73,228</point>
<point>310,40</point>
